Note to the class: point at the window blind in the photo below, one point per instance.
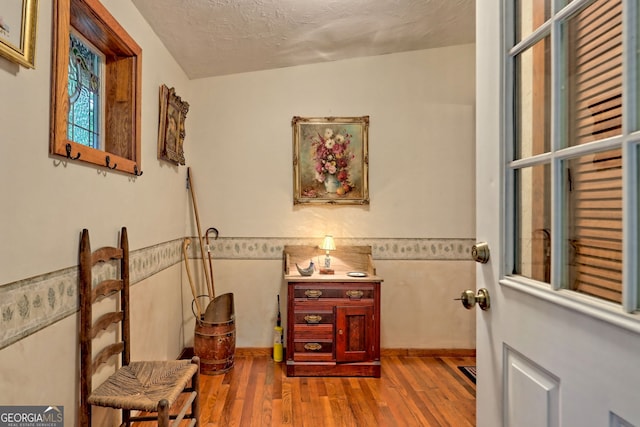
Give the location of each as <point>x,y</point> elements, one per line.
<point>595,181</point>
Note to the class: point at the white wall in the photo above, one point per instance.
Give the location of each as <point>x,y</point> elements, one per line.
<point>44,206</point>
<point>46,203</point>
<point>421,108</point>
<point>421,149</point>
<point>239,145</point>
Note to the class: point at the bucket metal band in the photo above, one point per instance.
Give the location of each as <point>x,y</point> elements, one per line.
<point>227,334</point>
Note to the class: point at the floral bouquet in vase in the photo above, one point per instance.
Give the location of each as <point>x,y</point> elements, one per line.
<point>331,156</point>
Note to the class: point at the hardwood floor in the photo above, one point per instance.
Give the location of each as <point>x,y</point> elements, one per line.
<point>413,391</point>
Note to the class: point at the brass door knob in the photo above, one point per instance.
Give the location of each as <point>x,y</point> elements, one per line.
<point>469,299</point>
<point>480,252</point>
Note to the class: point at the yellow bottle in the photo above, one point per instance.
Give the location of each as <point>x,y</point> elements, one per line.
<point>277,344</point>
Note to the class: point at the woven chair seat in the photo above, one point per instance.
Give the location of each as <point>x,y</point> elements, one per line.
<point>141,385</point>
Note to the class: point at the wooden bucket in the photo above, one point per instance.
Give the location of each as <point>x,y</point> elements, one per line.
<point>215,341</point>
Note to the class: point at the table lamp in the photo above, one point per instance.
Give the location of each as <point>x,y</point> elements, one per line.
<point>328,245</point>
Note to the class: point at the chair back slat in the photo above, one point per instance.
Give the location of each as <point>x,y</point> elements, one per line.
<point>105,254</point>
<point>105,289</point>
<point>105,321</point>
<point>105,354</point>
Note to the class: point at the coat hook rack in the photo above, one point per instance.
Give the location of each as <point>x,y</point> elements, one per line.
<point>107,161</point>
<point>136,172</point>
<point>68,149</point>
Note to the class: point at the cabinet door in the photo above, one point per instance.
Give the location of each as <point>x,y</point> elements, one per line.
<point>354,333</point>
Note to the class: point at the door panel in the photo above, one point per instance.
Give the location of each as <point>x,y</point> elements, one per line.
<point>545,356</point>
<point>354,329</point>
<point>529,386</point>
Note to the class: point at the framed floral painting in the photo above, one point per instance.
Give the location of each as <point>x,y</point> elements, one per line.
<point>18,21</point>
<point>331,160</point>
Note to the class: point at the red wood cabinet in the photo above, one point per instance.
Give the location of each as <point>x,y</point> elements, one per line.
<point>333,327</point>
<point>333,320</point>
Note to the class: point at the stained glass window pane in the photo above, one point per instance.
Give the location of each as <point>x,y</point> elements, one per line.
<point>84,94</point>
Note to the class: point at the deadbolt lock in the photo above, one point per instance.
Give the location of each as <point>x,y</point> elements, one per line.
<point>480,252</point>
<point>469,299</point>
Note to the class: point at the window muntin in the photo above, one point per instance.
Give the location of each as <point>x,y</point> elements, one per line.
<point>589,89</point>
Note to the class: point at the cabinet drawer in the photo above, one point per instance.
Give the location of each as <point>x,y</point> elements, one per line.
<point>313,332</point>
<point>310,316</point>
<point>310,351</point>
<point>316,291</point>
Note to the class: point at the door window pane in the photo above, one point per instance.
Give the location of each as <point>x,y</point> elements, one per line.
<point>594,72</point>
<point>584,106</point>
<point>530,14</point>
<point>594,224</point>
<point>533,100</point>
<point>533,252</point>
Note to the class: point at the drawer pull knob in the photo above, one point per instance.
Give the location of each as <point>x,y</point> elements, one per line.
<point>313,293</point>
<point>312,346</point>
<point>313,318</point>
<point>355,294</point>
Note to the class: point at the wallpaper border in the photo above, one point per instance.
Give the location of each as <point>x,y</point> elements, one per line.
<point>30,305</point>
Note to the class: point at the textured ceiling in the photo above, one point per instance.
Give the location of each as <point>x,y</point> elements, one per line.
<point>218,37</point>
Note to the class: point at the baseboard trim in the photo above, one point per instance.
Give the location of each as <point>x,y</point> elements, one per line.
<point>428,352</point>
<point>187,353</point>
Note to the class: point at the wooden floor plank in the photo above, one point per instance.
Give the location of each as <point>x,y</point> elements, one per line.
<point>412,391</point>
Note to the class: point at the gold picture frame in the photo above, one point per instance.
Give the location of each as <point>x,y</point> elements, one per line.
<point>331,160</point>
<point>171,133</point>
<point>18,22</point>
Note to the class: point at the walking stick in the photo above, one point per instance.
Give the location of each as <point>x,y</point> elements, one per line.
<point>195,209</point>
<point>185,245</point>
<point>206,236</point>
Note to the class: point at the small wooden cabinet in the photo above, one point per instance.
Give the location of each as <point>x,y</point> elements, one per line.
<point>333,320</point>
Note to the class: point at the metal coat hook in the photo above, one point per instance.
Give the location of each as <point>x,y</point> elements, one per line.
<point>136,172</point>
<point>68,149</point>
<point>107,161</point>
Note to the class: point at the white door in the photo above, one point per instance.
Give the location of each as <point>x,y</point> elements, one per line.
<point>560,344</point>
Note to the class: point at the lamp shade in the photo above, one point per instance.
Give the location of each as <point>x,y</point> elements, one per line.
<point>328,244</point>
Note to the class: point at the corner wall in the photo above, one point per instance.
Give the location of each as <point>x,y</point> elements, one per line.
<point>421,178</point>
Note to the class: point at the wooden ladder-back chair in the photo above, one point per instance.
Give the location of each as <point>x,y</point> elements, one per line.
<point>148,387</point>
